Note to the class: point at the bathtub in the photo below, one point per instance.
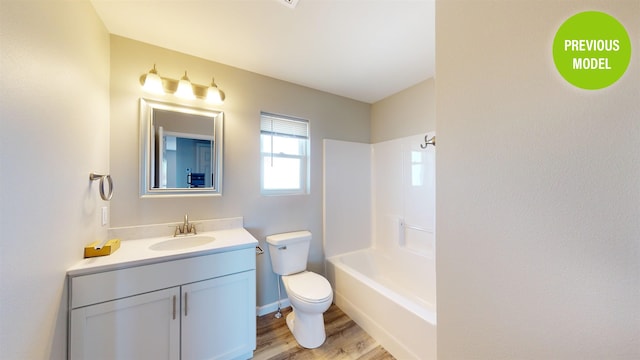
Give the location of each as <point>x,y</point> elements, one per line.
<point>391,296</point>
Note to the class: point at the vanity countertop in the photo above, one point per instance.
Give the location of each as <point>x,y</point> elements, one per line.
<point>138,252</point>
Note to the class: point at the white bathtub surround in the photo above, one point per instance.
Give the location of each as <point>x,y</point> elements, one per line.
<point>379,221</point>
<point>380,195</point>
<point>403,188</point>
<point>347,191</point>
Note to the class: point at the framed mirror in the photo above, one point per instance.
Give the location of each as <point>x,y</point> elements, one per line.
<point>180,150</point>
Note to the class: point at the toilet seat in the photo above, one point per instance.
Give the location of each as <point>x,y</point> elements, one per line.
<point>309,287</point>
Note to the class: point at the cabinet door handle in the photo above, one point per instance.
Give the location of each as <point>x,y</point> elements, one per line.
<point>185,304</point>
<point>174,307</point>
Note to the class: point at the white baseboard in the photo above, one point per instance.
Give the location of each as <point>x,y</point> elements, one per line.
<point>272,307</point>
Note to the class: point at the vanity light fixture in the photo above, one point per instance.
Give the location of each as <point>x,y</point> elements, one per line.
<point>153,83</point>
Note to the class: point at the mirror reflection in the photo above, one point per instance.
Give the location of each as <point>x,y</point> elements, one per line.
<point>181,149</point>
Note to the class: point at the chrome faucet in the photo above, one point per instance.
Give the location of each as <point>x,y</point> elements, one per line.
<point>186,227</point>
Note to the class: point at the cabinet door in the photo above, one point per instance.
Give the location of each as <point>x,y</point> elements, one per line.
<point>219,317</point>
<point>137,327</point>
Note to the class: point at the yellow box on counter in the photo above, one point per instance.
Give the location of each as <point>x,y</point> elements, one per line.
<point>107,249</point>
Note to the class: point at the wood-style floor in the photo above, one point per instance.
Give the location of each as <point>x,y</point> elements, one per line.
<point>345,340</point>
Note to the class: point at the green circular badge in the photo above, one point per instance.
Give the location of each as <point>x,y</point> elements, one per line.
<point>591,50</point>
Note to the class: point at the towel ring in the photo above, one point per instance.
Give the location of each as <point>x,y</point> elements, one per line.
<point>105,197</point>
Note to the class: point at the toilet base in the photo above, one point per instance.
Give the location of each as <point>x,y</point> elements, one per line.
<point>307,329</point>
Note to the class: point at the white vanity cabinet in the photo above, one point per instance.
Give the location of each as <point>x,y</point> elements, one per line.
<point>136,327</point>
<point>216,314</point>
<point>201,307</point>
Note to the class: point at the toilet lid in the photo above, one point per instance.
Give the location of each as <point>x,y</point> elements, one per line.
<point>309,286</point>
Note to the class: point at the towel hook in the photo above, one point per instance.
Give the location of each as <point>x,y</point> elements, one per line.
<point>428,141</point>
<point>94,177</point>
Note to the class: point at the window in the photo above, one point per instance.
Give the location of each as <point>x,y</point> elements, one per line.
<point>284,147</point>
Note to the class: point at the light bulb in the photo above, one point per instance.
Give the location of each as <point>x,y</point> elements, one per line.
<point>153,82</point>
<point>185,89</point>
<point>214,95</point>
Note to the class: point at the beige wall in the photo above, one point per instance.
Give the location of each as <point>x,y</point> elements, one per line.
<point>247,94</point>
<point>408,112</point>
<point>538,195</point>
<point>54,107</point>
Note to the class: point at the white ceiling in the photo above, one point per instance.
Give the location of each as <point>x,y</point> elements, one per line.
<point>361,49</point>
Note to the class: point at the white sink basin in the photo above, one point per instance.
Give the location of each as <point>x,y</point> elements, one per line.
<point>179,243</point>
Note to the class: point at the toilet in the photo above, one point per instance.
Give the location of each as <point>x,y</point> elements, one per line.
<point>310,294</point>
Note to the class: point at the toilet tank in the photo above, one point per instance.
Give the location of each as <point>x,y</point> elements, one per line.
<point>289,252</point>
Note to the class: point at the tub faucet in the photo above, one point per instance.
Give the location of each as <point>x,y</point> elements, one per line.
<point>186,227</point>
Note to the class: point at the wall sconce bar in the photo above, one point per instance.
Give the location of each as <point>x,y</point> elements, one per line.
<point>154,83</point>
